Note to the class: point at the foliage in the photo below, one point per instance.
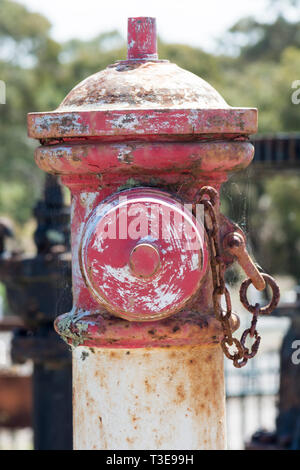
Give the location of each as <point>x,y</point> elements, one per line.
<point>265,41</point>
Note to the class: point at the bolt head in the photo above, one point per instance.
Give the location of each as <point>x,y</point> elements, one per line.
<point>144,260</point>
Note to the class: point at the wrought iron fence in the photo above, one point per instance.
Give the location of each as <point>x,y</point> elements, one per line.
<point>251,397</point>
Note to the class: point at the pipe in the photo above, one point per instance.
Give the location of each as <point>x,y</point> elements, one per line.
<point>158,398</point>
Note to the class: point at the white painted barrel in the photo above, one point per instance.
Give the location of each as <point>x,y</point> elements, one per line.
<point>159,398</point>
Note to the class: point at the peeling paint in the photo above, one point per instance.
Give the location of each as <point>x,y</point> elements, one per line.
<point>105,261</point>
<point>141,158</point>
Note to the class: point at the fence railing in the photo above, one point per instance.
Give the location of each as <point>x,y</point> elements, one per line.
<point>251,398</point>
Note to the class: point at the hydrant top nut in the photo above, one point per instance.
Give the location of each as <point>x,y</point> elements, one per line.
<point>143,254</point>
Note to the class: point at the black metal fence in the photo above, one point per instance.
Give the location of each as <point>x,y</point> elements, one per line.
<point>251,397</point>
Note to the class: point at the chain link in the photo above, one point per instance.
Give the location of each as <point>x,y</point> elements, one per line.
<point>240,353</point>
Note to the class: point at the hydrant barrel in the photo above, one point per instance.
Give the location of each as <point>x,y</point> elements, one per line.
<point>149,398</point>
<point>135,144</point>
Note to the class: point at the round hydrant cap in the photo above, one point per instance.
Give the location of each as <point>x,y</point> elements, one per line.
<point>143,254</point>
<point>142,95</point>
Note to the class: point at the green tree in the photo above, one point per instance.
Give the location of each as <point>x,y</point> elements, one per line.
<point>38,73</point>
<point>25,49</point>
<point>265,41</point>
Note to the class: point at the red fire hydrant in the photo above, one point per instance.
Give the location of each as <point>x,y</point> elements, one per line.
<point>144,147</point>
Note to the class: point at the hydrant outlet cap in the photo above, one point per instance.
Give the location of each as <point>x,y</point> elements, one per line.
<point>143,96</point>
<point>143,254</point>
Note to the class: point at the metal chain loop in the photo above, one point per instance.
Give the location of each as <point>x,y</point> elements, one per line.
<point>208,197</point>
<point>271,305</point>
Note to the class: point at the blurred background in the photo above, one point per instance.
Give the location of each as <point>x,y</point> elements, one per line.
<point>248,51</point>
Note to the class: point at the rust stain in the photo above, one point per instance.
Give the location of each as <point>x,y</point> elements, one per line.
<point>130,440</point>
<point>181,392</point>
<point>150,386</point>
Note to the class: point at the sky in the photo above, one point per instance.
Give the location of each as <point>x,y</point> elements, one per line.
<point>195,22</point>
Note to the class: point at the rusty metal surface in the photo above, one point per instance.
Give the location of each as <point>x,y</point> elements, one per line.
<point>111,133</point>
<point>153,158</point>
<point>149,398</point>
<point>137,99</point>
<point>142,43</point>
<point>106,331</point>
<point>274,299</point>
<point>143,122</point>
<point>240,355</point>
<point>146,86</point>
<point>142,96</point>
<point>235,244</point>
<point>84,201</point>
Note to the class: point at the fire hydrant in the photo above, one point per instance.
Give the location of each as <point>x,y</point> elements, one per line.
<point>144,147</point>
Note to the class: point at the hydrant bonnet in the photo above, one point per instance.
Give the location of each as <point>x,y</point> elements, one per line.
<point>143,96</point>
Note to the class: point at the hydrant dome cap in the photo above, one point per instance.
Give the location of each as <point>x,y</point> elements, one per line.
<point>143,96</point>
<point>142,85</point>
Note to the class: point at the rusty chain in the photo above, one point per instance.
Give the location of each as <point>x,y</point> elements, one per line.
<point>241,354</point>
